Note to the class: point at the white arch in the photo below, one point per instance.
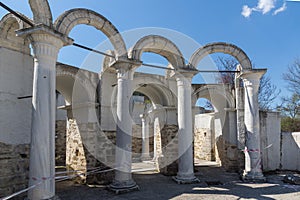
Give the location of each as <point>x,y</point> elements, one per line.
<point>8,25</point>
<point>69,19</point>
<point>221,47</point>
<point>210,92</point>
<point>159,45</point>
<point>71,79</point>
<point>41,12</point>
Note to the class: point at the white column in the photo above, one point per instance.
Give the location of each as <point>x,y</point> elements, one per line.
<point>46,46</point>
<point>185,131</point>
<point>145,138</point>
<point>123,177</point>
<point>253,171</point>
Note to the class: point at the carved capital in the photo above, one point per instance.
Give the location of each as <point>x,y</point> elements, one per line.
<point>184,77</point>
<point>252,78</point>
<point>125,73</point>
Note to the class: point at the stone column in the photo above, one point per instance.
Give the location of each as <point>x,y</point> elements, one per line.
<point>123,181</point>
<point>253,171</point>
<point>185,131</point>
<point>46,45</point>
<point>145,138</point>
<point>157,138</point>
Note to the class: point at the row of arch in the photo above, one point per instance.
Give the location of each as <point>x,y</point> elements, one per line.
<point>152,43</point>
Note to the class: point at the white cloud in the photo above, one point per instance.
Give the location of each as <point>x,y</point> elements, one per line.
<point>281,9</point>
<point>264,7</point>
<point>246,12</point>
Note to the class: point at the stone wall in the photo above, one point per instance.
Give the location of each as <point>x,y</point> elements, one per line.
<point>60,142</point>
<point>211,148</point>
<point>137,141</point>
<point>14,168</point>
<point>16,74</point>
<point>204,147</point>
<point>168,161</point>
<point>87,149</point>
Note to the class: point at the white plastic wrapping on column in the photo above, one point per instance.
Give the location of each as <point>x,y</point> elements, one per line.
<point>252,151</point>
<point>185,131</point>
<point>42,154</point>
<point>123,177</point>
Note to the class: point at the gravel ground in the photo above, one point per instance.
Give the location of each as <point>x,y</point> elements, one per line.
<point>216,184</point>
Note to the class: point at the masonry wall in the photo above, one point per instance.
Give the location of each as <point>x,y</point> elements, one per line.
<point>89,148</point>
<point>16,72</point>
<point>203,137</point>
<point>137,141</point>
<point>168,161</point>
<point>14,168</point>
<point>60,142</point>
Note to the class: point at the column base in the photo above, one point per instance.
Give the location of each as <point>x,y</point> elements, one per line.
<point>254,177</point>
<point>123,187</point>
<point>183,180</point>
<point>146,158</point>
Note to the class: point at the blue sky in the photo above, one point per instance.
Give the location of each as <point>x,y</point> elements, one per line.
<point>267,30</point>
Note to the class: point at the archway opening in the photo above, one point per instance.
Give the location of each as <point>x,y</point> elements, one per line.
<point>154,119</point>
<point>153,59</point>
<point>216,131</point>
<point>82,58</point>
<point>205,130</point>
<point>142,129</point>
<point>60,131</point>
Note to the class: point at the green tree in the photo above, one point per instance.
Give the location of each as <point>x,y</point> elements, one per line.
<point>291,106</point>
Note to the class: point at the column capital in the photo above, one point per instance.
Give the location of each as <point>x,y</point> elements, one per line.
<point>44,34</point>
<point>252,77</point>
<point>124,64</point>
<point>184,77</point>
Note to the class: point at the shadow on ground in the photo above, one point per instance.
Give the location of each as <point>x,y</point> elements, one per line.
<point>216,184</point>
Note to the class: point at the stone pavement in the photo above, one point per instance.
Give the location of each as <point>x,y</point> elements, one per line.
<point>216,184</point>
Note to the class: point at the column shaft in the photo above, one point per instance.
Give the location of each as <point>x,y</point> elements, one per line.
<point>42,150</point>
<point>253,165</point>
<point>185,133</point>
<point>123,177</point>
<point>145,138</point>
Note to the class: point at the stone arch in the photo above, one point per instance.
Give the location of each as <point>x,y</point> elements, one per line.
<point>69,77</point>
<point>215,93</point>
<point>69,19</point>
<point>41,12</point>
<point>159,45</point>
<point>221,47</point>
<point>155,89</point>
<point>8,25</point>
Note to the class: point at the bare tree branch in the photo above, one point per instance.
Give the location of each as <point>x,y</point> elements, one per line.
<point>292,76</point>
<point>268,92</point>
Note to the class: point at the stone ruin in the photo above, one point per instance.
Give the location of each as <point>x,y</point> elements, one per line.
<point>84,120</point>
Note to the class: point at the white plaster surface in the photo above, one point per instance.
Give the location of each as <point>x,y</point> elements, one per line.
<point>270,140</point>
<point>16,71</point>
<point>291,151</point>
